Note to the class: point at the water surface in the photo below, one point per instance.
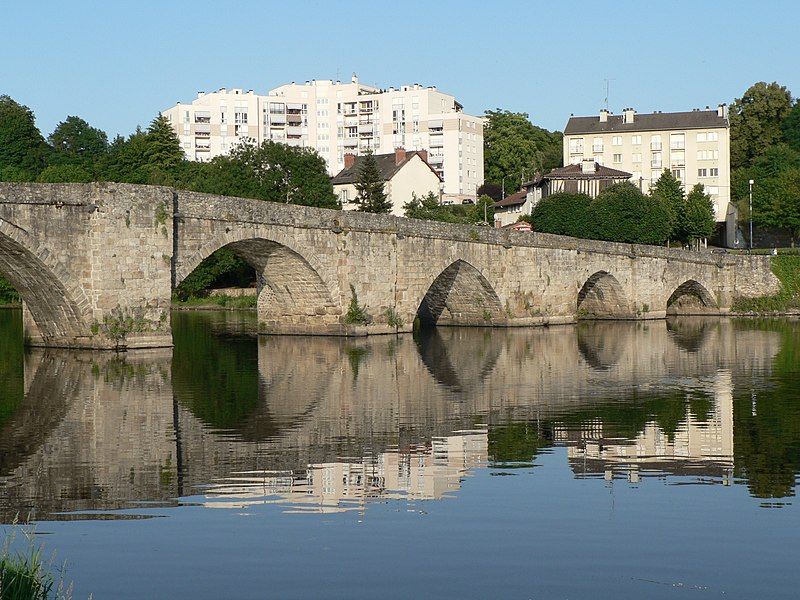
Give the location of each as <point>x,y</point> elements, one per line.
<point>605,460</point>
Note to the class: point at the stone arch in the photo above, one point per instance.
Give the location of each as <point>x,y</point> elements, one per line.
<point>602,297</point>
<point>44,285</point>
<point>691,298</point>
<point>292,295</point>
<point>461,295</point>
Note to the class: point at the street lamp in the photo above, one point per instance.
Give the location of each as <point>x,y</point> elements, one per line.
<point>751,215</point>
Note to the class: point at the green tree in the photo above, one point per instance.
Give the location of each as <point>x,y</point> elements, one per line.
<point>371,196</point>
<point>515,148</point>
<point>476,212</point>
<point>427,207</point>
<point>75,141</point>
<point>791,127</point>
<point>66,173</point>
<point>622,213</point>
<point>755,121</point>
<point>698,220</point>
<point>563,214</point>
<point>670,190</point>
<point>22,147</point>
<point>163,146</point>
<point>271,171</point>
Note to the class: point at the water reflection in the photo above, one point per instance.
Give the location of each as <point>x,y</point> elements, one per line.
<point>328,424</point>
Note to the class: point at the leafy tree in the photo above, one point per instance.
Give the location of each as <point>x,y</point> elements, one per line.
<point>755,121</point>
<point>791,127</point>
<point>223,268</point>
<point>66,173</point>
<point>371,196</point>
<point>494,191</point>
<point>476,214</point>
<point>419,208</point>
<point>515,148</point>
<point>670,190</point>
<point>622,213</point>
<point>563,214</point>
<point>698,219</point>
<point>272,171</point>
<point>163,146</point>
<point>22,146</point>
<point>75,141</point>
<point>17,174</point>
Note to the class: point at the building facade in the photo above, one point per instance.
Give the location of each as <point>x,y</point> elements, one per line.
<point>694,146</point>
<point>337,118</point>
<point>404,174</point>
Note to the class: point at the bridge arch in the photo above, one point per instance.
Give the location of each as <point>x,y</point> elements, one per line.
<point>691,298</point>
<point>602,297</point>
<point>461,295</point>
<point>44,285</point>
<point>292,295</point>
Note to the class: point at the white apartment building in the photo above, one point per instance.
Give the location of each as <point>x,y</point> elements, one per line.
<point>694,145</point>
<point>337,118</point>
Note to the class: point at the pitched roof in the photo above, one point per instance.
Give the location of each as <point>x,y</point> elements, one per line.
<point>576,172</point>
<point>695,119</point>
<point>387,167</point>
<point>513,199</point>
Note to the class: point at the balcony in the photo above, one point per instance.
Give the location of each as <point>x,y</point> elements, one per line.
<point>576,150</point>
<point>655,164</point>
<point>597,148</point>
<point>276,119</point>
<point>436,159</point>
<point>436,141</point>
<point>294,131</point>
<point>677,146</point>
<point>351,142</point>
<point>655,145</point>
<point>200,128</point>
<point>365,128</point>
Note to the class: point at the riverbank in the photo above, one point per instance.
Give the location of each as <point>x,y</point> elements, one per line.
<point>786,268</point>
<point>217,302</point>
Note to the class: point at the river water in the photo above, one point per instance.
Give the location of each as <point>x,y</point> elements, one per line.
<point>604,460</point>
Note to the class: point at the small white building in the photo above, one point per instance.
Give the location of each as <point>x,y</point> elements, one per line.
<point>404,174</point>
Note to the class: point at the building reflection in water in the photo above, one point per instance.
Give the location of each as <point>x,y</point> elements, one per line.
<point>327,424</point>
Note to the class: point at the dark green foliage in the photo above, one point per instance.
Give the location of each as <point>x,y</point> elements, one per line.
<point>622,213</point>
<point>518,442</point>
<point>163,146</point>
<point>16,174</point>
<point>221,269</point>
<point>21,145</point>
<point>791,127</point>
<point>698,219</point>
<point>371,196</point>
<point>64,173</point>
<point>670,191</point>
<point>74,141</point>
<point>428,208</point>
<point>24,577</point>
<point>563,214</point>
<point>494,191</point>
<point>776,191</point>
<point>272,171</point>
<point>12,378</point>
<point>8,295</point>
<point>755,120</point>
<point>356,314</point>
<point>515,148</point>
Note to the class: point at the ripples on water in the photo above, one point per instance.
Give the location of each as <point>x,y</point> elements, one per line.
<point>244,425</point>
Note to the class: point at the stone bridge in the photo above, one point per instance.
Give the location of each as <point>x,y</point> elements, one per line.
<point>96,265</point>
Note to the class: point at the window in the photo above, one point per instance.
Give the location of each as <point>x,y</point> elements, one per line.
<point>713,172</point>
<point>618,158</point>
<point>655,160</point>
<point>702,172</point>
<point>677,141</point>
<point>712,190</point>
<point>678,174</point>
<point>636,140</point>
<point>707,154</point>
<point>597,144</point>
<point>636,158</point>
<point>712,136</point>
<point>655,142</point>
<point>240,118</point>
<point>576,146</point>
<point>701,137</point>
<point>343,196</point>
<point>616,140</point>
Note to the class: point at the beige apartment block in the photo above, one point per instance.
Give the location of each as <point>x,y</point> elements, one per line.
<point>694,145</point>
<point>337,118</point>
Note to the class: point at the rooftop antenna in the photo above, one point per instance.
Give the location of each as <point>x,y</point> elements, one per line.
<point>608,85</point>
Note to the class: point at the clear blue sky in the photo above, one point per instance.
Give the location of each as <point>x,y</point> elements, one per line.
<point>117,63</point>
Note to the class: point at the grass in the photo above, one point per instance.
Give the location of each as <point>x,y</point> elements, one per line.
<point>25,575</point>
<point>222,301</point>
<point>786,268</point>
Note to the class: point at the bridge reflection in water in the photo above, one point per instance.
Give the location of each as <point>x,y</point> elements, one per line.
<point>330,424</point>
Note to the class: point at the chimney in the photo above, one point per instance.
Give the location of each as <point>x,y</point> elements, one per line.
<point>722,111</point>
<point>349,160</point>
<point>588,166</point>
<point>399,155</point>
<point>423,154</point>
<point>627,115</point>
<point>200,94</point>
<point>603,115</point>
